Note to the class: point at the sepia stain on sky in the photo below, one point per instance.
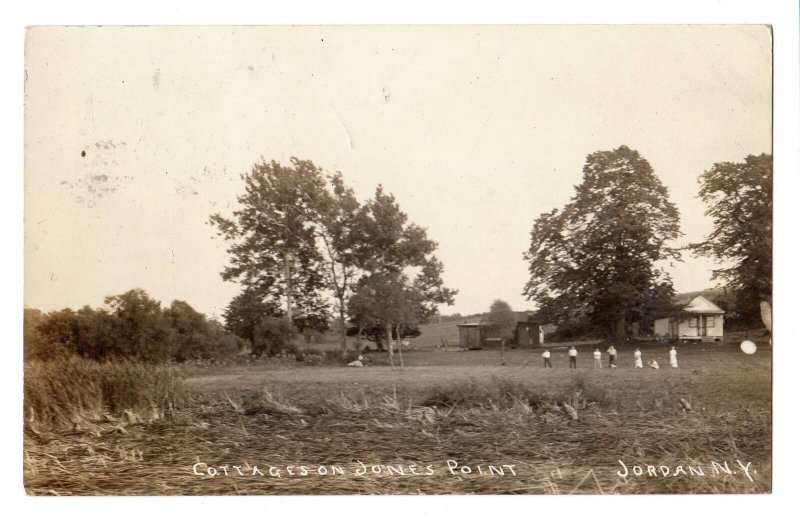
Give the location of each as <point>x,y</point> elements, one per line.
<point>134,136</point>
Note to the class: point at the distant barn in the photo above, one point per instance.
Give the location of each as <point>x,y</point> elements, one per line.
<point>700,320</point>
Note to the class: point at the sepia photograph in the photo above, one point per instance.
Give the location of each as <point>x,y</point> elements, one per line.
<point>398,260</point>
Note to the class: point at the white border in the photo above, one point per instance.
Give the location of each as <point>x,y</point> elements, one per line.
<point>782,15</point>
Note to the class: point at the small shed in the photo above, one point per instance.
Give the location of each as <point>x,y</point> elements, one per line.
<point>472,335</point>
<point>700,320</point>
<point>529,333</point>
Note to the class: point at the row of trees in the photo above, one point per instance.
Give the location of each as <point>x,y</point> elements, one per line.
<point>599,263</point>
<point>301,244</point>
<point>131,325</point>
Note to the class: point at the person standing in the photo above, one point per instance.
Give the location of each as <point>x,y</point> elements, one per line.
<point>673,357</point>
<point>598,356</point>
<point>612,357</point>
<point>546,358</point>
<point>573,357</point>
<point>637,359</point>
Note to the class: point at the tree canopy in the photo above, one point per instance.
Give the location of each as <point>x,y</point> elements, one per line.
<point>501,320</point>
<point>401,281</point>
<point>599,260</point>
<point>300,238</point>
<point>273,237</point>
<point>739,199</point>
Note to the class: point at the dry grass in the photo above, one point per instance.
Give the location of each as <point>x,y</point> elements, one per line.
<point>73,393</point>
<point>476,414</point>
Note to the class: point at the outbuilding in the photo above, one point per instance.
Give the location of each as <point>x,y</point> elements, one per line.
<point>529,333</point>
<point>700,320</point>
<point>472,335</point>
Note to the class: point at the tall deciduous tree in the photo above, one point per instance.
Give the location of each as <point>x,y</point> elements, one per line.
<point>600,259</point>
<point>338,231</point>
<point>273,237</point>
<point>739,199</point>
<point>401,284</point>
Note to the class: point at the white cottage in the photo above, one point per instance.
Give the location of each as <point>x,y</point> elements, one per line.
<point>700,320</point>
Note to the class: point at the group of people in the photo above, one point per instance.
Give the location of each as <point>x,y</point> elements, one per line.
<point>612,358</point>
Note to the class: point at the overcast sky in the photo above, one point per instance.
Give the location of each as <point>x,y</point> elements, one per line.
<point>476,130</point>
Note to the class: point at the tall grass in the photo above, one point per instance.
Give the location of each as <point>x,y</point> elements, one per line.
<point>66,393</point>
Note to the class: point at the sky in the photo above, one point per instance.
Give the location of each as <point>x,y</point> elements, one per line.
<point>135,136</point>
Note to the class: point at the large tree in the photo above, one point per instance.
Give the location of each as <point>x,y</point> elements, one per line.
<point>273,236</point>
<point>739,199</point>
<point>600,260</point>
<point>401,283</point>
<point>340,237</point>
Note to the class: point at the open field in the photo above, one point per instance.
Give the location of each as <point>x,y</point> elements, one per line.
<point>502,423</point>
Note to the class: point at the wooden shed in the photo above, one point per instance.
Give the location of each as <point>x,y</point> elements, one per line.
<point>529,333</point>
<point>472,335</point>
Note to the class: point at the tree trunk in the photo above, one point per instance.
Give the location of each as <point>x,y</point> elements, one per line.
<point>391,348</point>
<point>619,332</point>
<point>503,351</point>
<point>399,346</point>
<point>287,272</point>
<point>342,331</point>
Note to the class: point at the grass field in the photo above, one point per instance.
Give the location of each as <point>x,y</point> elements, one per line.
<point>450,422</point>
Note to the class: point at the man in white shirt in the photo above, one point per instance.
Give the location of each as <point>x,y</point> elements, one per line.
<point>573,357</point>
<point>546,358</point>
<point>598,356</point>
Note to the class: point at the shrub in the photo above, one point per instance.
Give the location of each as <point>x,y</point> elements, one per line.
<point>274,336</point>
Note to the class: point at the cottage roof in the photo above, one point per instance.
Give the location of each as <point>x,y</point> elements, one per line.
<point>701,305</point>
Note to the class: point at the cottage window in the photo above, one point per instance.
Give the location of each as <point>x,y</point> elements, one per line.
<point>693,321</point>
<point>710,321</point>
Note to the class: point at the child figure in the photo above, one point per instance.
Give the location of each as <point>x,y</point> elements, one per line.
<point>573,357</point>
<point>637,359</point>
<point>653,364</point>
<point>673,357</point>
<point>546,358</point>
<point>597,358</point>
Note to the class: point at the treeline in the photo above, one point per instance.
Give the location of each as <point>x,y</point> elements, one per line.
<point>131,325</point>
<point>598,265</point>
<point>304,248</point>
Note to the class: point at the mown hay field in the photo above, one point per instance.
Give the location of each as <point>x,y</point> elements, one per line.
<point>449,422</point>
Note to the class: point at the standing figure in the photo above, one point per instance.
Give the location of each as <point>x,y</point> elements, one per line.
<point>673,357</point>
<point>637,359</point>
<point>597,358</point>
<point>546,358</point>
<point>573,357</point>
<point>612,357</point>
